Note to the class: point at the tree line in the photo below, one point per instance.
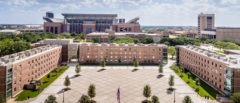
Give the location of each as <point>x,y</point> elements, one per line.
<point>10,44</point>
<point>225,44</point>
<point>127,40</point>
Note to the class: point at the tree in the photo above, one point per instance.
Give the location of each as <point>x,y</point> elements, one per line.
<point>147,91</point>
<point>172,51</point>
<point>171,81</point>
<point>146,101</point>
<point>155,99</point>
<point>2,100</point>
<point>187,99</point>
<point>91,91</point>
<point>160,70</point>
<point>51,99</point>
<point>203,38</point>
<point>197,81</point>
<point>125,40</point>
<point>67,82</point>
<point>80,37</point>
<point>103,63</point>
<point>181,69</point>
<point>167,43</point>
<point>135,63</point>
<point>235,98</point>
<point>84,99</point>
<point>189,75</point>
<point>78,69</point>
<point>96,40</point>
<point>119,60</point>
<point>197,43</point>
<point>147,40</point>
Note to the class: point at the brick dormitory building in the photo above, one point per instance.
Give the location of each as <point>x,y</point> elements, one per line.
<point>21,68</point>
<point>220,71</point>
<point>94,53</point>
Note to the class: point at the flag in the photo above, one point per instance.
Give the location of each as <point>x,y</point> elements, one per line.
<point>118,95</point>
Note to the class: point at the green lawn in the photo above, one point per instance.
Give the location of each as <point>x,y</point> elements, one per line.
<point>204,89</point>
<point>45,83</point>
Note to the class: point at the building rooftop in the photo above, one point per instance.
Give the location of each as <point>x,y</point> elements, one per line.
<point>56,41</point>
<point>114,44</point>
<point>77,14</point>
<point>54,20</point>
<point>9,31</point>
<point>231,60</point>
<point>208,32</point>
<point>234,51</point>
<point>97,33</point>
<point>122,33</point>
<point>9,59</point>
<point>228,28</point>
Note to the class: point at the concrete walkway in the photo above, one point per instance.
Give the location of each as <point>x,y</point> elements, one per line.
<point>130,82</point>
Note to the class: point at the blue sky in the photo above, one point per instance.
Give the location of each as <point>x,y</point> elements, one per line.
<point>151,12</point>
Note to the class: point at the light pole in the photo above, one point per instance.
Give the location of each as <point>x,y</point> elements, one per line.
<point>174,101</point>
<point>63,95</point>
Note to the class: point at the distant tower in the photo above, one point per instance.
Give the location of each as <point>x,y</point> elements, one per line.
<point>121,21</point>
<point>49,14</point>
<point>206,22</point>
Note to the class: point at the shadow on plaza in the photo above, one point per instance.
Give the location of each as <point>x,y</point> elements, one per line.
<point>63,90</point>
<point>75,76</point>
<point>100,70</point>
<point>134,70</point>
<point>160,76</point>
<point>170,90</point>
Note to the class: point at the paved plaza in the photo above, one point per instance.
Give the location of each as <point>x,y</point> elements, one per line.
<point>130,82</point>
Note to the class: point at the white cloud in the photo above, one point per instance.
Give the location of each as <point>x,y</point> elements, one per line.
<point>116,3</point>
<point>184,13</point>
<point>226,2</point>
<point>22,3</point>
<point>90,3</point>
<point>69,6</point>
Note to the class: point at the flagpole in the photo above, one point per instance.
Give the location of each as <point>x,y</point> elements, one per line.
<point>118,95</point>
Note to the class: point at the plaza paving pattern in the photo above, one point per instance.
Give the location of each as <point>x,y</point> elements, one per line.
<point>130,83</point>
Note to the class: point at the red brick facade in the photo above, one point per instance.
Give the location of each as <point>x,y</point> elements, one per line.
<point>209,66</point>
<point>31,67</point>
<point>122,53</point>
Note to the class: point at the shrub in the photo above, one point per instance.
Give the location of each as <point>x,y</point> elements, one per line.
<point>48,76</point>
<point>155,99</point>
<point>147,91</point>
<point>197,89</point>
<point>146,101</point>
<point>84,99</point>
<point>187,99</point>
<point>51,99</point>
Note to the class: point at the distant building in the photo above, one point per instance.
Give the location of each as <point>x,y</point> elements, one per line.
<point>227,33</point>
<point>31,30</point>
<point>206,22</point>
<point>206,26</point>
<point>88,23</point>
<point>209,34</point>
<point>10,32</point>
<point>49,14</point>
